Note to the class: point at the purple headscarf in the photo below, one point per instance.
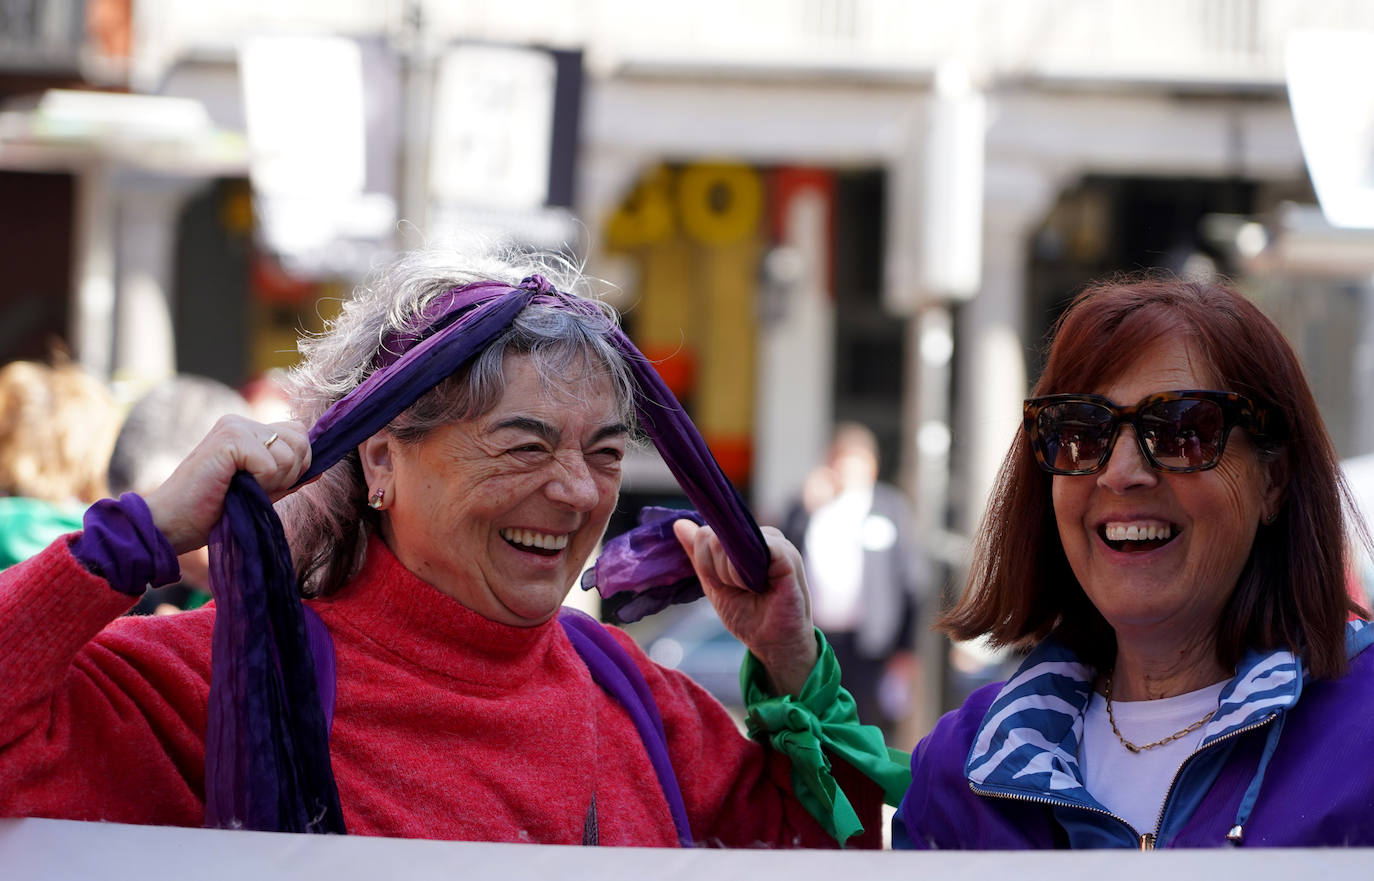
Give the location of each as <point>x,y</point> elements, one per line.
<point>267,745</point>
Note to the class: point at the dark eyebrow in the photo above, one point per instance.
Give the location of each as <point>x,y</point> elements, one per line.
<point>528,424</point>
<point>550,434</point>
<point>614,430</point>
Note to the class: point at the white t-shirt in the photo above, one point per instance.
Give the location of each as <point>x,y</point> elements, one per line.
<point>835,559</point>
<point>1133,785</point>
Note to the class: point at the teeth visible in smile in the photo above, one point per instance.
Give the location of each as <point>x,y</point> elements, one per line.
<point>531,539</point>
<point>1136,532</point>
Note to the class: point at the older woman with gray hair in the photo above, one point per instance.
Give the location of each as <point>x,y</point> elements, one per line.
<point>466,431</point>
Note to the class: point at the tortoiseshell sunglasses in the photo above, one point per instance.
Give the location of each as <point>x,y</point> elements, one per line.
<point>1177,431</point>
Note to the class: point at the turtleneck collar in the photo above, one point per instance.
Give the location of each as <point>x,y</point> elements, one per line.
<point>411,620</point>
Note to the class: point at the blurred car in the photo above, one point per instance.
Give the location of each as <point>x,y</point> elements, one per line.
<point>690,638</point>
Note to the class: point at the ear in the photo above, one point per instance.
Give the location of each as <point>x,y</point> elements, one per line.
<point>375,454</point>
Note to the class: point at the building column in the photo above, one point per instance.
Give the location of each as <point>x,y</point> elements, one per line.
<point>796,352</point>
<point>144,343</point>
<point>991,343</point>
<point>93,270</point>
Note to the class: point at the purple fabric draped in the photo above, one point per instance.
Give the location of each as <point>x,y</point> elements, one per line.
<point>614,671</point>
<point>266,743</point>
<point>394,386</point>
<point>267,746</point>
<point>685,453</point>
<point>644,570</point>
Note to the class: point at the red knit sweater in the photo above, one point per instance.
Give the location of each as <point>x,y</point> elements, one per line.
<point>447,725</point>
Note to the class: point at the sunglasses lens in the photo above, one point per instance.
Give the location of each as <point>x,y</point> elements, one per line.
<point>1073,435</point>
<point>1183,435</point>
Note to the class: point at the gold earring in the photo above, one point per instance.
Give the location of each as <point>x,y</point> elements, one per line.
<point>376,499</point>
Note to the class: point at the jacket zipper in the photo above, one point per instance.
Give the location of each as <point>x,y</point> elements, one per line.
<point>1168,793</point>
<point>1144,840</point>
<point>1054,802</point>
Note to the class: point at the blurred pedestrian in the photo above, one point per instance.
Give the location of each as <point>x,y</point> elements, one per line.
<point>160,430</point>
<point>57,425</point>
<point>266,393</point>
<point>866,571</point>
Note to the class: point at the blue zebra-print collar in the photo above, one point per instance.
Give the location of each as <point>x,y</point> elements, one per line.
<point>1028,740</point>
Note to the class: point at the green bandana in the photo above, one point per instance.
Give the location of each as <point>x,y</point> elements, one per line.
<point>822,720</point>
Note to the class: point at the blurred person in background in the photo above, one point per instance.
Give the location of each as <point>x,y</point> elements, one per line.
<point>866,571</point>
<point>162,428</point>
<point>1168,540</point>
<point>57,426</point>
<point>469,421</point>
<point>267,395</point>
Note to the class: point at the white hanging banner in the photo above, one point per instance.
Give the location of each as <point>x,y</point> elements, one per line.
<point>493,127</point>
<point>304,109</point>
<point>1331,90</point>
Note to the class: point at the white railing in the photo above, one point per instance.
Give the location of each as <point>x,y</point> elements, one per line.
<point>46,850</point>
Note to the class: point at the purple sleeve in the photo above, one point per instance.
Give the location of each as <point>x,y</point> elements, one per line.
<point>119,543</point>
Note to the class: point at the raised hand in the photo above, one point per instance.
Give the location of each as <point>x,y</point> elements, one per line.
<point>776,623</point>
<point>188,504</point>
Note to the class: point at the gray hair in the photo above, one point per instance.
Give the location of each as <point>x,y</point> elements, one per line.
<point>328,522</point>
<point>163,427</point>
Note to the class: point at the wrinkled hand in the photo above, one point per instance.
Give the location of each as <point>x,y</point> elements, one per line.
<point>190,502</point>
<point>775,624</point>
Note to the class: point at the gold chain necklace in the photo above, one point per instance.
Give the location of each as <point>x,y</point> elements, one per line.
<point>1141,748</point>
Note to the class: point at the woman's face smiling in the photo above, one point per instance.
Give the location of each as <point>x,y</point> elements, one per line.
<point>502,511</point>
<point>1193,532</point>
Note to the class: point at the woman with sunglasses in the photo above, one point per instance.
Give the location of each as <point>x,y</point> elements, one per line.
<point>1166,540</point>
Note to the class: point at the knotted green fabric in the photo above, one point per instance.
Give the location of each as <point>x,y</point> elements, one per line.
<point>822,720</point>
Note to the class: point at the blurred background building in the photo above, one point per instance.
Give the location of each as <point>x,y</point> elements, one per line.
<point>813,210</point>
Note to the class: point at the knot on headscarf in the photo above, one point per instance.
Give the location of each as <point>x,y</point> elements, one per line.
<point>536,283</point>
<point>819,722</point>
<point>267,743</point>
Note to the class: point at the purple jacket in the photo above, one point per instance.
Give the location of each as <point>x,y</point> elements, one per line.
<point>1283,762</point>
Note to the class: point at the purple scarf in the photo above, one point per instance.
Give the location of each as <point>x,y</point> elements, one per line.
<point>267,745</point>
